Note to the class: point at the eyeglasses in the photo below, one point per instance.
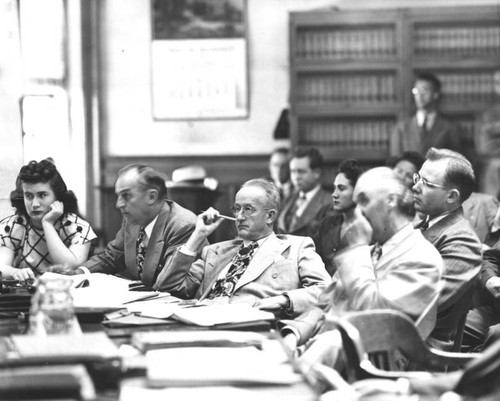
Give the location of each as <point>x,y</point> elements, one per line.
<point>417,179</point>
<point>421,91</point>
<point>246,210</point>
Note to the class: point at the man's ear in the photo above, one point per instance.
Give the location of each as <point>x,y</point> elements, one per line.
<point>272,214</point>
<point>453,195</point>
<point>392,200</point>
<point>152,195</point>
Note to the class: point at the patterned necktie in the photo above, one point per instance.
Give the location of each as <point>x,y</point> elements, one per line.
<point>140,248</point>
<point>291,217</point>
<point>224,287</point>
<point>376,253</point>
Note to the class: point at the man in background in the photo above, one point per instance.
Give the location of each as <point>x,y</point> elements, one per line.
<point>279,172</point>
<point>309,204</point>
<point>427,128</point>
<point>444,182</point>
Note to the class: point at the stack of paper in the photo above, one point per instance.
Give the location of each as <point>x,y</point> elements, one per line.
<point>200,366</point>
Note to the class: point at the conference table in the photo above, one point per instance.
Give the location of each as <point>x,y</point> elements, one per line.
<point>135,380</point>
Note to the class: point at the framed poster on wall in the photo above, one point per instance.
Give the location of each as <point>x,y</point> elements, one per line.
<point>199,59</point>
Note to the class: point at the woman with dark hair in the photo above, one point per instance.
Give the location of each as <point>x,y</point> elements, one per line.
<point>46,228</point>
<point>332,228</point>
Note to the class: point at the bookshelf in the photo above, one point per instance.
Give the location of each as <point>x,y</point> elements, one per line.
<point>352,72</point>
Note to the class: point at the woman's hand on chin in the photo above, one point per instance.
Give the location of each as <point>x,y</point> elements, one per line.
<point>56,211</point>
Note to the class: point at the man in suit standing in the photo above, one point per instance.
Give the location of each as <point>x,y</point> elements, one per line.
<point>305,209</point>
<point>260,268</point>
<point>401,271</point>
<point>444,182</point>
<point>427,128</point>
<point>279,172</point>
<point>152,228</point>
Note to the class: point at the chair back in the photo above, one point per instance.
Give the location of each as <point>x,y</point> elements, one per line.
<point>455,316</point>
<point>393,342</point>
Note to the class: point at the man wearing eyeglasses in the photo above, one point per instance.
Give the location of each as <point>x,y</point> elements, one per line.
<point>281,273</point>
<point>444,182</point>
<point>427,128</point>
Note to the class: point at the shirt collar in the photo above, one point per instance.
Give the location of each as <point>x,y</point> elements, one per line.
<point>259,241</point>
<point>149,228</point>
<point>422,115</point>
<point>310,194</point>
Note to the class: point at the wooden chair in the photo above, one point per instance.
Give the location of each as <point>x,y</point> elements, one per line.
<point>371,340</point>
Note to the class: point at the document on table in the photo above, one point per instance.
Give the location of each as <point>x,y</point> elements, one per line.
<point>199,366</point>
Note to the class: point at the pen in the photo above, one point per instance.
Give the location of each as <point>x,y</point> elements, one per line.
<point>225,217</point>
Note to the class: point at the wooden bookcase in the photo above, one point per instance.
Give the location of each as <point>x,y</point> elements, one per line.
<point>352,73</point>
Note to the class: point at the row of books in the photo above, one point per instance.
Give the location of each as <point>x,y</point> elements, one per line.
<point>371,134</point>
<point>346,42</point>
<point>378,87</point>
<point>457,40</point>
<point>467,85</point>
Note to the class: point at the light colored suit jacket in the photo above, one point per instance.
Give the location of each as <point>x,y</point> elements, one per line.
<point>284,264</point>
<point>172,228</point>
<point>308,223</point>
<point>408,136</point>
<point>406,279</point>
<point>460,249</point>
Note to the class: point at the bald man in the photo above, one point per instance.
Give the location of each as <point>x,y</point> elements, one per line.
<point>401,271</point>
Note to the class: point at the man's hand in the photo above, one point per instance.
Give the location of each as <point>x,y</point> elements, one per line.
<point>273,303</point>
<point>493,286</point>
<point>64,269</point>
<point>23,274</point>
<point>206,223</point>
<point>56,211</point>
<point>359,232</point>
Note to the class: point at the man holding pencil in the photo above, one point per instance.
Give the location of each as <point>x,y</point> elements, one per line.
<point>281,273</point>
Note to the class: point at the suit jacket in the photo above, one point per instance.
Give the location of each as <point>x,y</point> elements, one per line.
<point>480,210</point>
<point>460,249</point>
<point>408,136</point>
<point>307,224</point>
<point>406,278</point>
<point>284,264</point>
<point>172,228</point>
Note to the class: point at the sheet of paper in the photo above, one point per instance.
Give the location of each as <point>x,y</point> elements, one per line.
<point>198,366</point>
<point>211,315</point>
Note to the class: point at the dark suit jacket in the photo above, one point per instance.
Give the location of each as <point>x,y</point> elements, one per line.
<point>307,224</point>
<point>460,249</point>
<point>408,136</point>
<point>283,264</point>
<point>172,228</point>
<point>481,209</point>
<point>327,240</point>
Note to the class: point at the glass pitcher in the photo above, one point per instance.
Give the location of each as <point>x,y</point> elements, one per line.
<point>52,310</point>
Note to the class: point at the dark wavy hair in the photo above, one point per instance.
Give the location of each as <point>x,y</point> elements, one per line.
<point>351,169</point>
<point>44,171</point>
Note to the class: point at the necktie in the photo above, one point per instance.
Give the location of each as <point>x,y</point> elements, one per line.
<point>291,217</point>
<point>376,253</point>
<point>225,287</point>
<point>140,248</point>
<point>424,124</point>
<point>424,224</point>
